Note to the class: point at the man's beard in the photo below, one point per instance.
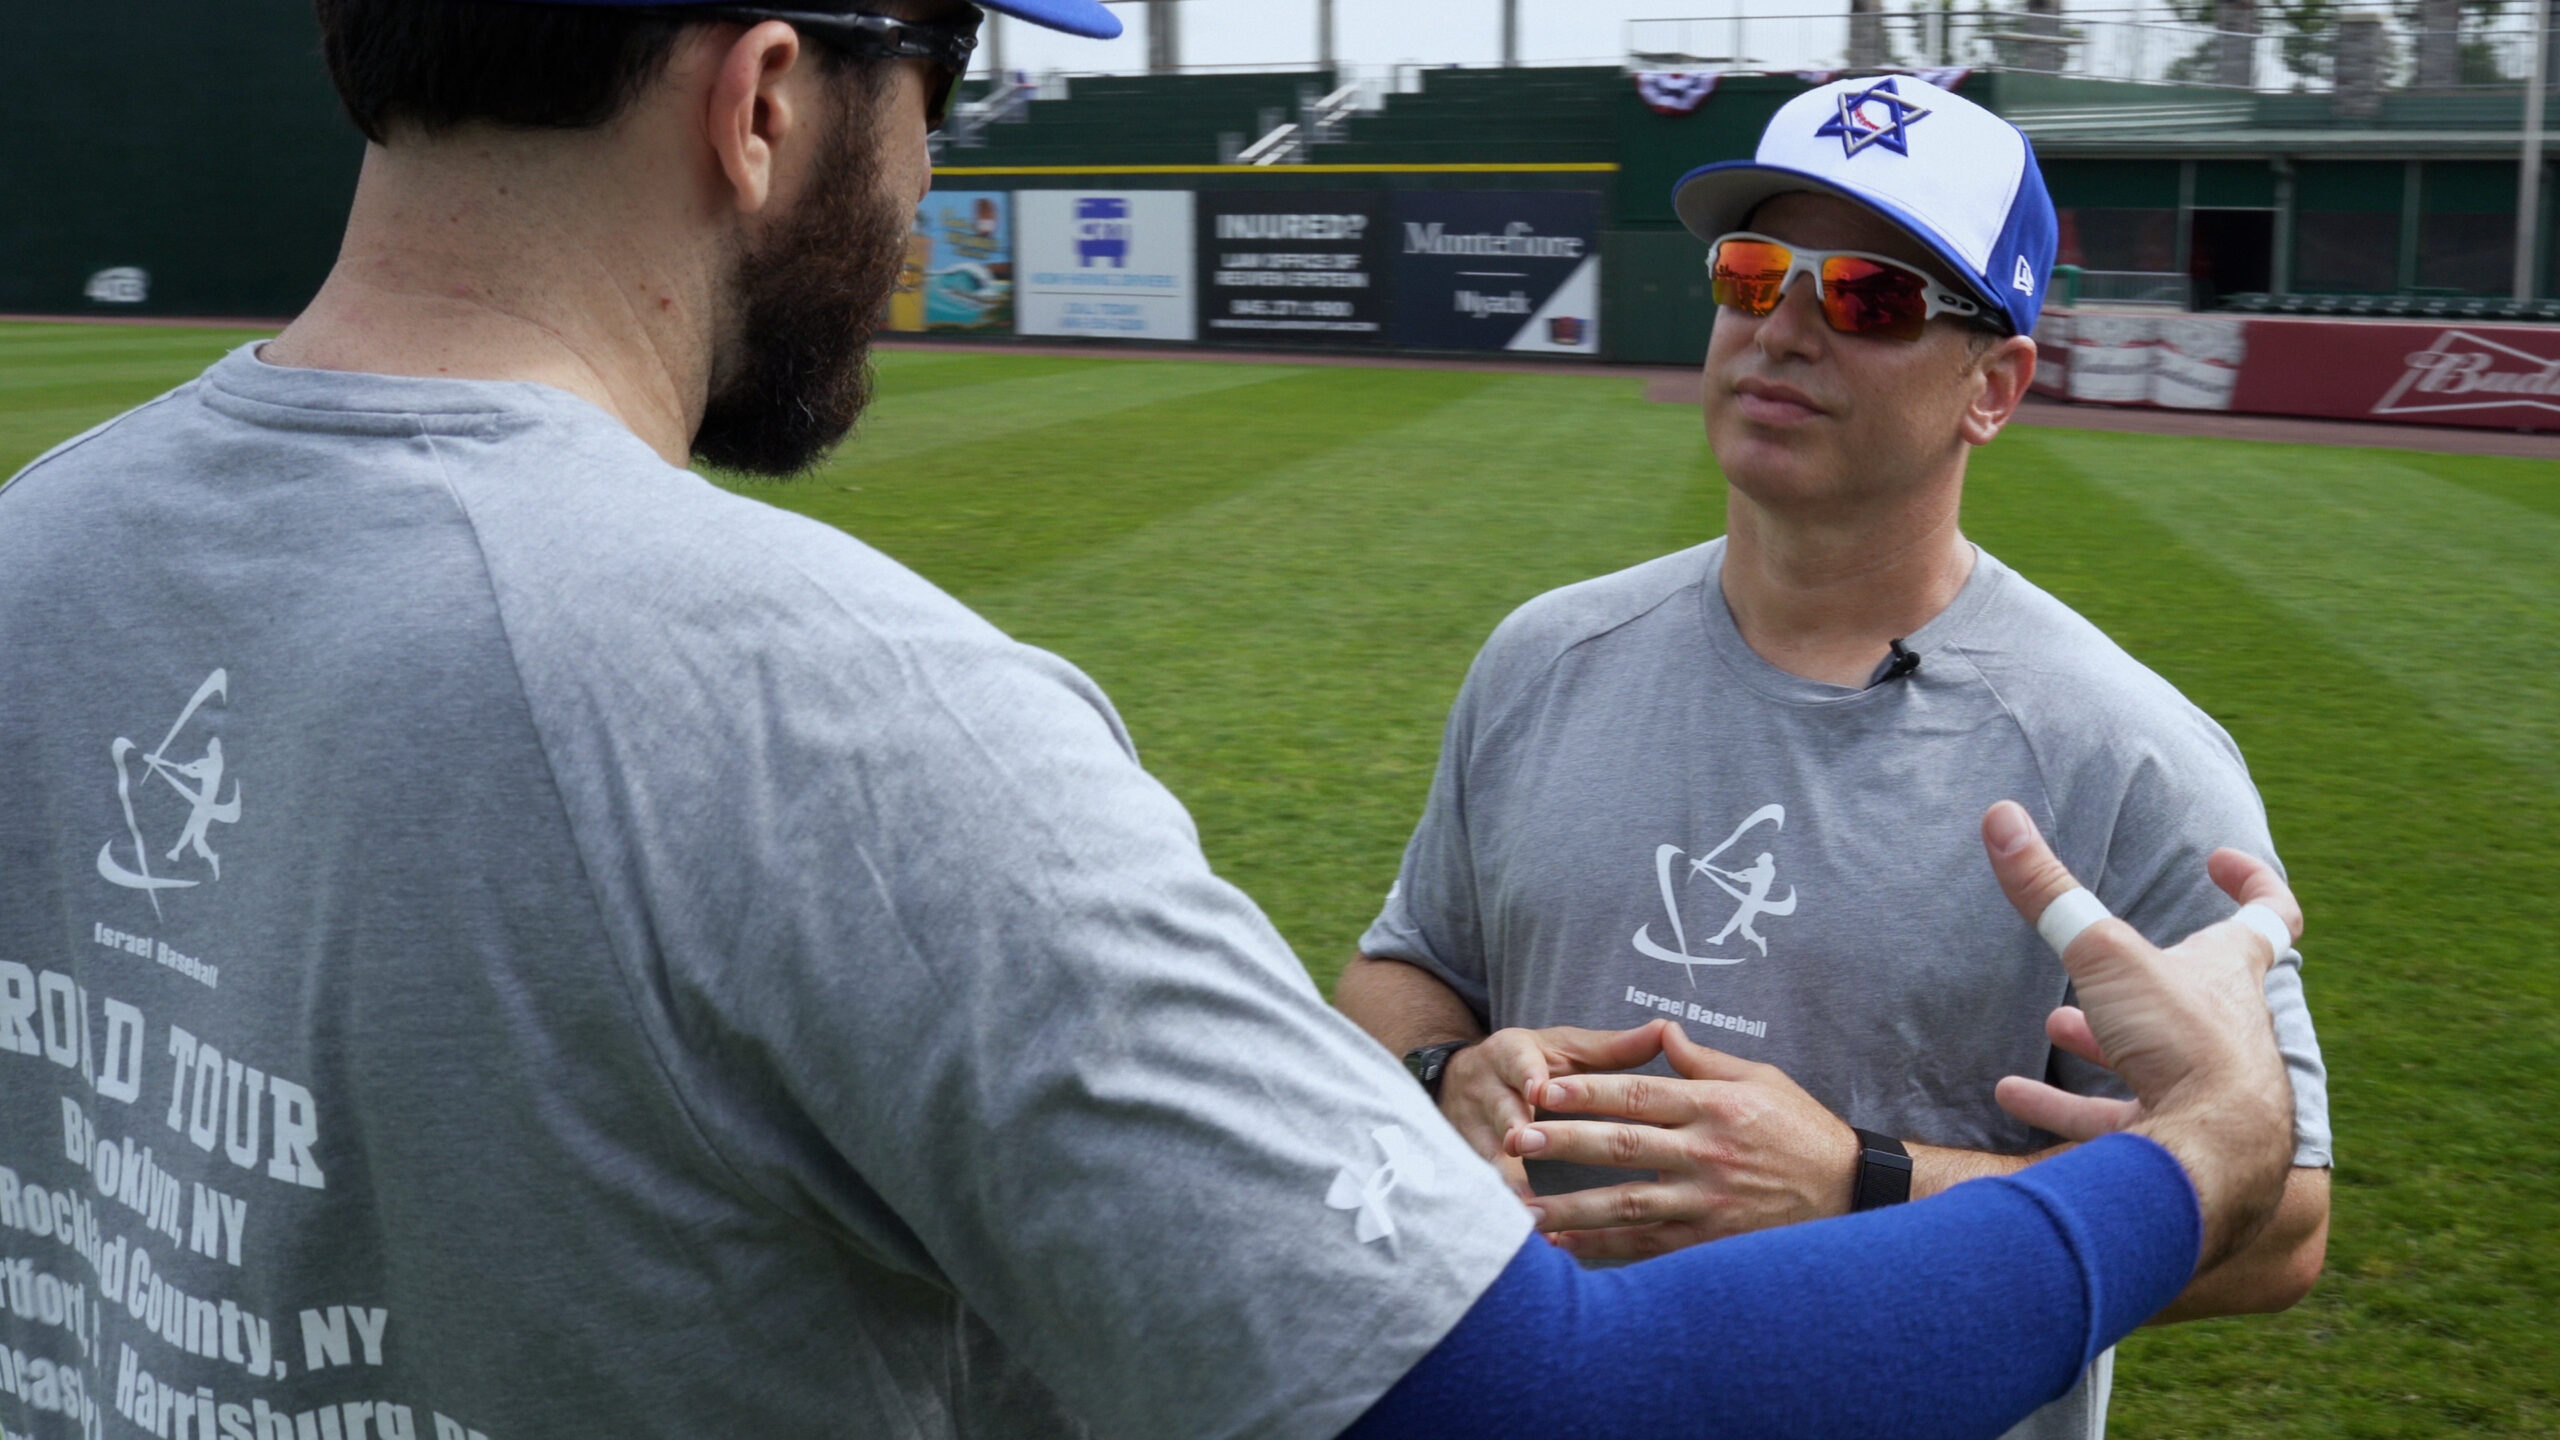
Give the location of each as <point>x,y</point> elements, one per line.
<point>799,372</point>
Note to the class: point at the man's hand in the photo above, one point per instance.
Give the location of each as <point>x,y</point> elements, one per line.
<point>1490,1087</point>
<point>1736,1145</point>
<point>2186,1027</point>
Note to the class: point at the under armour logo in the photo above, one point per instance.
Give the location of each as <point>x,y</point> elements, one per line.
<point>1365,1190</point>
<point>1858,126</point>
<point>198,782</point>
<point>1748,887</point>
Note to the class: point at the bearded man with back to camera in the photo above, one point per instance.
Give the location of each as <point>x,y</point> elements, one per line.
<point>635,962</point>
<point>1715,787</point>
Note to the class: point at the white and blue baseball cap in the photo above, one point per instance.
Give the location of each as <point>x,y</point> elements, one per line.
<point>1076,17</point>
<point>1960,179</point>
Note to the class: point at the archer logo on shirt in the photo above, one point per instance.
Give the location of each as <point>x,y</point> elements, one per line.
<point>1736,879</point>
<point>1365,1188</point>
<point>145,779</point>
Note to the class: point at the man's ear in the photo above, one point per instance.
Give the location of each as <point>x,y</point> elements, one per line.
<point>749,115</point>
<point>2003,373</point>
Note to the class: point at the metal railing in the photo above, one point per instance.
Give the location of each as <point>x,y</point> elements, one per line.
<point>966,126</point>
<point>2486,51</point>
<point>2143,41</point>
<point>2107,289</point>
<point>1321,120</point>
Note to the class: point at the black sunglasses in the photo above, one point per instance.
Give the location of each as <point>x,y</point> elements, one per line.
<point>946,47</point>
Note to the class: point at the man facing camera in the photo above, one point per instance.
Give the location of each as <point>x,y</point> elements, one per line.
<point>1717,787</point>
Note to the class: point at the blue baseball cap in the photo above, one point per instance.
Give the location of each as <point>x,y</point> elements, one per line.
<point>1960,179</point>
<point>1076,17</point>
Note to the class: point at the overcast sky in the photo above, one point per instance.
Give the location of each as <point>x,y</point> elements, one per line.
<point>1373,32</point>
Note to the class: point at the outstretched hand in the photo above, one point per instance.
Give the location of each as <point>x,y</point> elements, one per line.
<point>2187,1028</point>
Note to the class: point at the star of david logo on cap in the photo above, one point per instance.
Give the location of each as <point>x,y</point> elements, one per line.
<point>1857,130</point>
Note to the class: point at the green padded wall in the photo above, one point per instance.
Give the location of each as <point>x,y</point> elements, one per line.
<point>2237,184</point>
<point>2111,184</point>
<point>1654,306</point>
<point>1654,151</point>
<point>2469,188</point>
<point>200,143</point>
<point>2351,186</point>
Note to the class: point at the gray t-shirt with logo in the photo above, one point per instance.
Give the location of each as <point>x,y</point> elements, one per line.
<point>500,937</point>
<point>1635,815</point>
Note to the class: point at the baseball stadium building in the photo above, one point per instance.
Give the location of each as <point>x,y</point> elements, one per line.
<point>2353,169</point>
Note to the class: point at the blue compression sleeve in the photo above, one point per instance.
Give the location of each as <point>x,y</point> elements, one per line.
<point>1952,1317</point>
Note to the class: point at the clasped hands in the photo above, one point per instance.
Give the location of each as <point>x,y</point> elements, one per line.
<point>1735,1145</point>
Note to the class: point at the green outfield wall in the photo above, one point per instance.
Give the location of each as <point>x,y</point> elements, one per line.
<point>191,154</point>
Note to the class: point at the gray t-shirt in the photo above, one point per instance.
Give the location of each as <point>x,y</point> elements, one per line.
<point>1635,815</point>
<point>499,937</point>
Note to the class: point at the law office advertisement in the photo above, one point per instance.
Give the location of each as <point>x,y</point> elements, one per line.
<point>1282,267</point>
<point>1114,264</point>
<point>958,274</point>
<point>1515,270</point>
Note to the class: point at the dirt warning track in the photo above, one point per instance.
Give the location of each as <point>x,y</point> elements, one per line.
<point>1682,385</point>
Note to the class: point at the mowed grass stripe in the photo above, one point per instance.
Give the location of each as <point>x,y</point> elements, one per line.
<point>58,380</point>
<point>84,381</point>
<point>2452,590</point>
<point>972,515</point>
<point>20,340</point>
<point>1286,654</point>
<point>907,422</point>
<point>2424,857</point>
<point>905,373</point>
<point>2534,484</point>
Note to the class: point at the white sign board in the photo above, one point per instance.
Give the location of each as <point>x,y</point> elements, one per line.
<point>1110,263</point>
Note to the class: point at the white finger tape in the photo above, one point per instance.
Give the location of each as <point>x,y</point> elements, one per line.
<point>2071,912</point>
<point>2269,924</point>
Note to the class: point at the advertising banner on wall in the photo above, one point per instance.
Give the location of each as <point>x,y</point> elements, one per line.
<point>1294,266</point>
<point>2504,377</point>
<point>1109,263</point>
<point>2177,362</point>
<point>1497,270</point>
<point>958,274</point>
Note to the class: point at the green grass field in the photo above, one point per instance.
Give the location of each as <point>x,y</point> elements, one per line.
<point>1280,573</point>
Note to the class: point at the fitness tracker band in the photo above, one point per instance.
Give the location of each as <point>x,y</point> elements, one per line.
<point>1431,1063</point>
<point>1884,1172</point>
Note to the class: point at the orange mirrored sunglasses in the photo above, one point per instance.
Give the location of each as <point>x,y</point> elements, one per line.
<point>1860,294</point>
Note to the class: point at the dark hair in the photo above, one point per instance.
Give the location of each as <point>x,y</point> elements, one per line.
<point>438,64</point>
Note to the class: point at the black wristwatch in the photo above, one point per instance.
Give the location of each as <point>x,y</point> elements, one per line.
<point>1884,1171</point>
<point>1430,1063</point>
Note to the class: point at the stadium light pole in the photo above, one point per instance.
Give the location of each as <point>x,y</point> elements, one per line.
<point>2529,165</point>
<point>1324,34</point>
<point>1164,38</point>
<point>1510,32</point>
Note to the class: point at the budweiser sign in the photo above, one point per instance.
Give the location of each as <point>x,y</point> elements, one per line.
<point>2463,371</point>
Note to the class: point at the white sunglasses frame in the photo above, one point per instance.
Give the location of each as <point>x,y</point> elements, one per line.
<point>1939,299</point>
